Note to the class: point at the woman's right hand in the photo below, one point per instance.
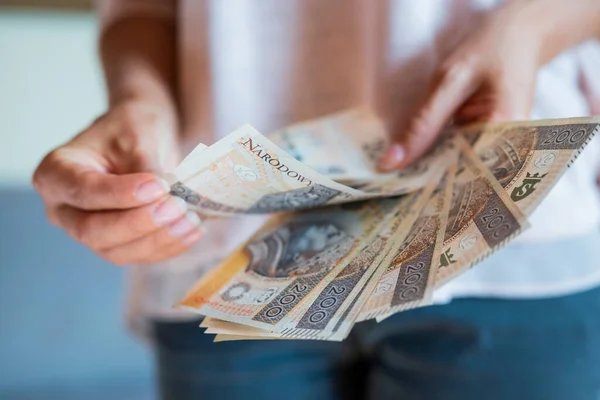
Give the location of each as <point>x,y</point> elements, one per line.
<point>103,188</point>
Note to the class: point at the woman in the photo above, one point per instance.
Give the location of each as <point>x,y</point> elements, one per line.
<point>524,324</point>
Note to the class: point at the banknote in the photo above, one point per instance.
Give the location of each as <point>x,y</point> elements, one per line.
<point>327,316</point>
<point>413,177</point>
<point>482,217</point>
<point>229,338</point>
<point>286,264</point>
<point>345,146</point>
<point>407,278</point>
<point>528,158</point>
<point>216,326</point>
<point>246,173</point>
<point>401,231</point>
<point>229,331</point>
<point>320,319</point>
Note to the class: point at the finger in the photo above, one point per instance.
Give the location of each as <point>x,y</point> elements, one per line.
<point>506,103</point>
<point>158,246</point>
<point>449,91</point>
<point>104,229</point>
<point>490,112</point>
<point>480,112</point>
<point>65,176</point>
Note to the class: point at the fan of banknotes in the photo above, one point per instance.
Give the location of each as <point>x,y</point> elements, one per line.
<point>346,243</point>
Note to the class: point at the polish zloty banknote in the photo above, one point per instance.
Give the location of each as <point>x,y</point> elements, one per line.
<point>245,173</point>
<point>424,282</point>
<point>320,319</point>
<point>482,217</point>
<point>328,317</point>
<point>216,326</point>
<point>407,278</point>
<point>230,338</point>
<point>409,179</point>
<point>345,146</point>
<point>286,265</point>
<point>528,158</point>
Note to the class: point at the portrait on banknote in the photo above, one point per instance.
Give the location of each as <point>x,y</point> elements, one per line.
<point>298,248</point>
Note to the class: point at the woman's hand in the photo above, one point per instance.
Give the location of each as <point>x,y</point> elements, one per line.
<point>102,189</point>
<point>491,75</point>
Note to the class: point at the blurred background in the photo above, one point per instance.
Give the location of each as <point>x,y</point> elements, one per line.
<point>62,334</point>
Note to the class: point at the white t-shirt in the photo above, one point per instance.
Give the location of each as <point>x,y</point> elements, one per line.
<point>271,62</point>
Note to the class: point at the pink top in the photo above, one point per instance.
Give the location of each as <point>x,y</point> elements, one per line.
<point>271,62</point>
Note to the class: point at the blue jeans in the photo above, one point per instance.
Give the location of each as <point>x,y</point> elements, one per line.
<point>469,349</point>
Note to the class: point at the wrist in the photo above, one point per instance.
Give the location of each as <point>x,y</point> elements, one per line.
<point>145,92</point>
<point>554,26</point>
<point>524,32</point>
<point>141,86</point>
<point>154,109</point>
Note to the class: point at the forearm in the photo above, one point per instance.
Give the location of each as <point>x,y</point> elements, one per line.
<point>559,24</point>
<point>139,59</point>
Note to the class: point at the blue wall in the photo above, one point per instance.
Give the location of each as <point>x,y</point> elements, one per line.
<point>62,334</point>
<point>61,327</point>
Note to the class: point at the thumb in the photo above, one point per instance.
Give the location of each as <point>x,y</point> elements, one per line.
<point>69,176</point>
<point>449,90</point>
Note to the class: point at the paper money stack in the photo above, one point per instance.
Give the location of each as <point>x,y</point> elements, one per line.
<point>346,243</point>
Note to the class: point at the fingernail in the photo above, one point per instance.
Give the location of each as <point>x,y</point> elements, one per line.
<point>152,190</point>
<point>392,158</point>
<point>182,227</point>
<point>169,210</point>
